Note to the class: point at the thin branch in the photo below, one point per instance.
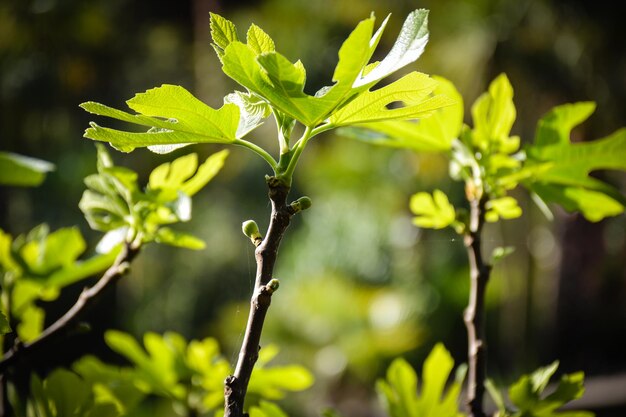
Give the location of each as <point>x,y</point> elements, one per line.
<point>475,313</point>
<point>87,298</point>
<point>236,386</point>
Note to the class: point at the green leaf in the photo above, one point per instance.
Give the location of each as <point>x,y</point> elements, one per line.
<point>281,82</point>
<point>253,110</point>
<point>566,179</point>
<point>398,393</point>
<point>572,163</point>
<point>399,396</point>
<point>502,208</point>
<point>168,236</point>
<point>273,77</point>
<point>223,32</point>
<point>23,171</point>
<point>111,385</point>
<point>371,106</point>
<point>50,252</point>
<point>527,394</point>
<point>82,269</point>
<point>259,41</point>
<point>408,47</point>
<point>493,114</point>
<point>434,133</point>
<point>594,205</point>
<point>433,211</point>
<point>181,174</point>
<point>67,392</point>
<point>554,128</point>
<point>31,323</point>
<point>434,401</point>
<point>175,117</point>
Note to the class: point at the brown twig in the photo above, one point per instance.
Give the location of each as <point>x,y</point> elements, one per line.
<point>85,300</point>
<point>474,316</point>
<point>236,386</point>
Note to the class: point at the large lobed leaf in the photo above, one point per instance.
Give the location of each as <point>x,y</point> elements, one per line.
<point>566,179</point>
<point>173,115</point>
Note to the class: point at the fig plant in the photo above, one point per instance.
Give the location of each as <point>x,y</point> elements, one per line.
<point>486,158</point>
<point>274,86</point>
<point>37,266</point>
<point>491,163</point>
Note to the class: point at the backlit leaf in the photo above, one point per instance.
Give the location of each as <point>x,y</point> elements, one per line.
<point>413,90</point>
<point>23,171</point>
<point>433,211</point>
<point>174,115</point>
<point>434,133</point>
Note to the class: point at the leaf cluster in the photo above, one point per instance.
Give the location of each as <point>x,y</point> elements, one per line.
<point>274,85</point>
<point>529,398</point>
<point>35,267</point>
<point>188,375</point>
<point>114,203</point>
<point>491,162</point>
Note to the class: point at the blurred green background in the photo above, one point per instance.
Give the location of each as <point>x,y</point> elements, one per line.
<point>359,284</point>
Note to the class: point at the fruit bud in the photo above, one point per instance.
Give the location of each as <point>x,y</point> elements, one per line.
<point>250,229</point>
<point>301,204</point>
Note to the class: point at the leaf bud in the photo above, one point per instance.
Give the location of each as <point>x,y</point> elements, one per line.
<point>273,285</point>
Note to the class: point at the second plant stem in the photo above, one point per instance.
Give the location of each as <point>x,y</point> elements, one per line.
<point>236,385</point>
<point>474,316</point>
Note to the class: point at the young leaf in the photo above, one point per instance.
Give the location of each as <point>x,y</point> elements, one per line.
<point>493,114</point>
<point>399,396</point>
<point>253,109</point>
<point>23,171</point>
<point>223,32</point>
<point>272,382</point>
<point>273,77</point>
<point>504,207</point>
<point>433,211</point>
<point>183,240</point>
<point>174,116</point>
<point>527,394</point>
<point>259,41</point>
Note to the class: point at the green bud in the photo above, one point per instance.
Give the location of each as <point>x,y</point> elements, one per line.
<point>250,229</point>
<point>273,285</point>
<point>301,204</point>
